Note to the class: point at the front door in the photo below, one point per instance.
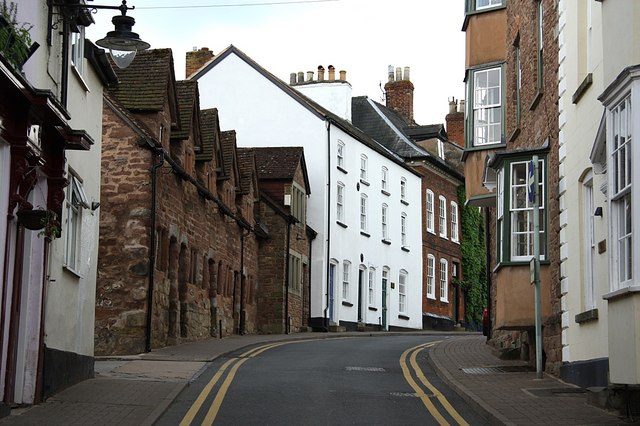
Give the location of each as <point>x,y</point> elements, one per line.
<point>332,280</point>
<point>385,278</point>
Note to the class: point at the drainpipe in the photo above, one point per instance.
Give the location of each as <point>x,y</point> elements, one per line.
<point>65,60</point>
<point>328,237</point>
<point>241,315</point>
<point>286,276</point>
<point>152,252</point>
<point>488,250</point>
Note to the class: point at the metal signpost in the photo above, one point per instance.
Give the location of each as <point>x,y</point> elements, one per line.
<point>533,190</point>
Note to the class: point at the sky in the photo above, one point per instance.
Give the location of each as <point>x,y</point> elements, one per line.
<point>362,37</point>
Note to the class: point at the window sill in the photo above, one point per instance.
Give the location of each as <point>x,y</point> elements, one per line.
<point>372,308</point>
<point>342,170</point>
<point>344,225</point>
<point>622,293</point>
<point>431,297</point>
<point>486,147</point>
<point>406,203</point>
<point>405,249</point>
<point>444,237</point>
<point>403,317</point>
<point>582,89</point>
<point>387,242</point>
<point>72,271</point>
<point>364,182</point>
<point>345,303</point>
<point>455,241</point>
<point>431,231</point>
<point>81,79</point>
<point>385,192</point>
<point>444,301</point>
<point>587,316</point>
<point>364,234</point>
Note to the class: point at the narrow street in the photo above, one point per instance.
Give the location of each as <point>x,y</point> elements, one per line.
<point>334,381</point>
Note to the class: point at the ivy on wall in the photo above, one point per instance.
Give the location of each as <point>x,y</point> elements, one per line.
<point>474,261</point>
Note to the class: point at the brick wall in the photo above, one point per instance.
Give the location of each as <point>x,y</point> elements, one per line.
<point>200,251</point>
<point>399,97</point>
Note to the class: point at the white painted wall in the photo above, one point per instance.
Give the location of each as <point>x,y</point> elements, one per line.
<point>578,126</point>
<point>263,115</point>
<point>333,95</point>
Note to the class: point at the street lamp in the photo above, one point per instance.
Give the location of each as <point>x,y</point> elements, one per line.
<point>123,44</point>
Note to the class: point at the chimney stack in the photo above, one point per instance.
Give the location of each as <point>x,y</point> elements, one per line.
<point>196,59</point>
<point>399,93</point>
<point>455,122</point>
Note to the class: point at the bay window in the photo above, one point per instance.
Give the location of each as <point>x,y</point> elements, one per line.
<point>485,126</point>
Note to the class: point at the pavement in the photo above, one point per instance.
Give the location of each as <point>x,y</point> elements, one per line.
<point>136,390</point>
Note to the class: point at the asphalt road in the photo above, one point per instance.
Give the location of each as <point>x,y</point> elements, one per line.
<point>350,381</point>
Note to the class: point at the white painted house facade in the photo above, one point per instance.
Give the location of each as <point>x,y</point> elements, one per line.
<point>364,202</point>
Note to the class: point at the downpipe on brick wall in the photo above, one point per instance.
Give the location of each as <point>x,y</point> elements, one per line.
<point>152,252</point>
<point>241,321</point>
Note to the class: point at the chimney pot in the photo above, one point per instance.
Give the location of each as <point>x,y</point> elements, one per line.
<point>343,75</point>
<point>309,75</point>
<point>206,49</point>
<point>332,73</point>
<point>300,77</point>
<point>398,74</point>
<point>390,71</point>
<point>406,74</point>
<point>320,73</point>
<point>453,105</point>
<point>461,105</point>
<point>293,79</point>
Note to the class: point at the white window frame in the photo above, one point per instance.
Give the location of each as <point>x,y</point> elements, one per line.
<point>519,188</point>
<point>429,209</point>
<point>402,291</point>
<point>588,240</point>
<point>385,222</point>
<point>444,280</point>
<point>77,50</point>
<point>384,178</point>
<point>454,222</point>
<point>340,202</point>
<point>620,167</point>
<point>340,153</point>
<point>431,276</point>
<point>442,222</point>
<point>403,189</point>
<point>75,200</point>
<point>364,208</point>
<point>486,4</point>
<point>364,165</point>
<point>403,229</point>
<point>346,277</point>
<point>372,287</point>
<point>487,106</point>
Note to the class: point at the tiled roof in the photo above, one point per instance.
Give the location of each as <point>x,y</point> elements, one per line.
<point>187,91</point>
<point>228,146</point>
<point>144,83</point>
<point>247,166</point>
<point>210,131</point>
<point>278,162</point>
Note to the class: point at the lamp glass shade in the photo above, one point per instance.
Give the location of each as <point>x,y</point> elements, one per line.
<point>122,42</point>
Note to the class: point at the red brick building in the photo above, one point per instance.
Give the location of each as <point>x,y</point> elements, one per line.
<point>178,257</point>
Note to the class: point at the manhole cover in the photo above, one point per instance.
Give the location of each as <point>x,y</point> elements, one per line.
<point>498,369</point>
<point>555,392</point>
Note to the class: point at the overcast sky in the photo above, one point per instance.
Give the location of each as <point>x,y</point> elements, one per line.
<point>362,37</point>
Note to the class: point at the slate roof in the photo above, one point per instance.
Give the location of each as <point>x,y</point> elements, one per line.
<point>306,102</point>
<point>143,84</point>
<point>188,99</point>
<point>409,141</point>
<point>210,131</point>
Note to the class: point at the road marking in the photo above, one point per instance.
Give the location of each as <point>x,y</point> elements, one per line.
<point>425,397</point>
<point>204,394</point>
<point>371,369</point>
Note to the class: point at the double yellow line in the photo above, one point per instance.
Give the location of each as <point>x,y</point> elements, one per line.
<point>232,365</point>
<point>412,354</point>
